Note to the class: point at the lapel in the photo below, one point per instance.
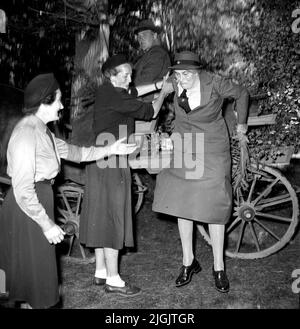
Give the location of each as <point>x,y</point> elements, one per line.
<point>206,85</point>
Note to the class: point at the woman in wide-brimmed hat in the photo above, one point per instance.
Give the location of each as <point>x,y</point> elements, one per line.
<point>28,233</point>
<point>198,188</point>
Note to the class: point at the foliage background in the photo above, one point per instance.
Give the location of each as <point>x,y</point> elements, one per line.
<point>247,40</point>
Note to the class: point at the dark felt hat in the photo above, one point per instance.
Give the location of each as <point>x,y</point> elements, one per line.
<point>38,88</point>
<point>186,60</point>
<point>113,62</point>
<point>147,25</point>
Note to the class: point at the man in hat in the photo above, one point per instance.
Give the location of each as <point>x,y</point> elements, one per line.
<point>154,62</point>
<point>199,189</point>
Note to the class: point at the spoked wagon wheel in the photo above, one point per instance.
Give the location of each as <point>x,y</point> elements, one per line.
<point>138,190</point>
<point>265,215</point>
<point>69,197</point>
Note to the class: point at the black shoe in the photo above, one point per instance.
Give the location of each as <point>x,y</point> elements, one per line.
<point>186,273</point>
<point>127,290</point>
<point>99,281</point>
<point>221,281</point>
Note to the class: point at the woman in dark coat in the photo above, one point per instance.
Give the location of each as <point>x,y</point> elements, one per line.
<point>106,217</point>
<point>28,232</point>
<point>197,186</point>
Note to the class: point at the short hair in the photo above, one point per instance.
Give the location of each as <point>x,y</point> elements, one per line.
<point>110,73</point>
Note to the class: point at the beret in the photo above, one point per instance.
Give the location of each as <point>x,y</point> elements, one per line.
<point>38,88</point>
<point>113,62</point>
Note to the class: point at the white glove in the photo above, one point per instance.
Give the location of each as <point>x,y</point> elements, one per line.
<point>242,128</point>
<point>241,131</point>
<point>54,235</point>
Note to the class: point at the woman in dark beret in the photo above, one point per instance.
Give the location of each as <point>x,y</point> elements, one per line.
<point>28,233</point>
<point>106,217</point>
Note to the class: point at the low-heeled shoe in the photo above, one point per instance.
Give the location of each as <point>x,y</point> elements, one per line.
<point>221,280</point>
<point>186,273</point>
<point>128,290</point>
<point>99,281</point>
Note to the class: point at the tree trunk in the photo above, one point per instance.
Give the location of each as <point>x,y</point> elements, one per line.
<point>90,53</point>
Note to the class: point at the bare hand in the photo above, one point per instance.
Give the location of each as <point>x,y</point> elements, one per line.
<point>122,148</point>
<point>55,234</point>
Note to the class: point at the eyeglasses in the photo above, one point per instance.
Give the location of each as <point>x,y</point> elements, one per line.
<point>187,75</point>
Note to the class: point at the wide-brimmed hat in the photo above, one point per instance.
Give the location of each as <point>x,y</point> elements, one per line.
<point>147,25</point>
<point>113,62</point>
<point>186,60</point>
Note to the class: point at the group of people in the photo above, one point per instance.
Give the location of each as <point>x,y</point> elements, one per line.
<point>28,232</point>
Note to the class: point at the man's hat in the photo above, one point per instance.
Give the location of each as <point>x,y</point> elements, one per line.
<point>147,25</point>
<point>113,62</point>
<point>186,60</point>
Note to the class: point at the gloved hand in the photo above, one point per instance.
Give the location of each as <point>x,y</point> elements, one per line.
<point>55,234</point>
<point>241,131</point>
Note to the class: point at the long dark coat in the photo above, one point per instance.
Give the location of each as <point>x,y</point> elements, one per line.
<point>200,188</point>
<point>106,217</point>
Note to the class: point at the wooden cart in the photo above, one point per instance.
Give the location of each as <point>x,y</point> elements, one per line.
<point>265,211</point>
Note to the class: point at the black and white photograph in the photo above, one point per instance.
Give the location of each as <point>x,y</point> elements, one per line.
<point>150,158</point>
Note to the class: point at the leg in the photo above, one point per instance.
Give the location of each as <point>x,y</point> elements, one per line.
<point>101,272</point>
<point>216,233</point>
<point>100,262</point>
<point>217,241</point>
<point>111,261</point>
<point>114,284</point>
<point>190,264</point>
<point>186,236</point>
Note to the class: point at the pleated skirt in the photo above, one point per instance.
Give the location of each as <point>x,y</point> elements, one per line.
<point>26,256</point>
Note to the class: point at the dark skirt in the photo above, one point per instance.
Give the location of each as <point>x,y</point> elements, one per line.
<point>106,216</point>
<point>206,199</point>
<point>26,256</point>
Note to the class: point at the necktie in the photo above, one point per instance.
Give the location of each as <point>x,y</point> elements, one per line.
<point>183,101</point>
<point>48,132</point>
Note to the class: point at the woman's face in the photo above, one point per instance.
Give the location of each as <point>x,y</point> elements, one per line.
<point>52,110</point>
<point>186,78</point>
<point>123,78</point>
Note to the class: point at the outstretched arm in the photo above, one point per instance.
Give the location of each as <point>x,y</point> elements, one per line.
<point>76,153</point>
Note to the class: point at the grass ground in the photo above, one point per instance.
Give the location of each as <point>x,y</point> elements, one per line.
<point>255,284</point>
<point>264,283</point>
